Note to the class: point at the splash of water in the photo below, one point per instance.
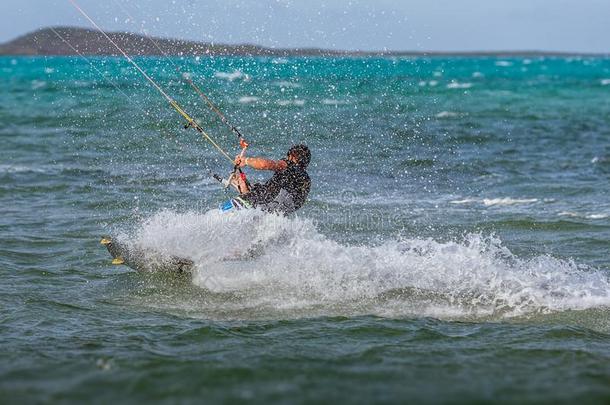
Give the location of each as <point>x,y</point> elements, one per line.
<point>253,264</point>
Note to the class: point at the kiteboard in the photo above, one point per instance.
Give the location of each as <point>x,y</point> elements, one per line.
<point>145,260</point>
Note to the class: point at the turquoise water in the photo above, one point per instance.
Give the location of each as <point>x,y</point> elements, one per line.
<point>454,247</point>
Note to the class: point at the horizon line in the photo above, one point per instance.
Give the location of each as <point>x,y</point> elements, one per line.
<point>336,52</point>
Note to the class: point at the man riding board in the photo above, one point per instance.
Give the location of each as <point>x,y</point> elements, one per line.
<point>285,192</point>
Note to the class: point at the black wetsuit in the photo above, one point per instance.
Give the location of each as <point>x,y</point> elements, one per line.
<point>285,192</point>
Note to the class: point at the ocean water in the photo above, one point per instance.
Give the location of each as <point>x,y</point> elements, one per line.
<point>454,248</point>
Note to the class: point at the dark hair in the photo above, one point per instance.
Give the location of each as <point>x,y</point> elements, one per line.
<point>302,153</point>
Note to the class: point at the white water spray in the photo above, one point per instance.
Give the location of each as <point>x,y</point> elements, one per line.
<point>254,264</point>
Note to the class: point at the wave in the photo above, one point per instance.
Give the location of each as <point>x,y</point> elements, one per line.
<point>601,160</point>
<point>231,76</point>
<point>431,83</point>
<point>255,265</point>
<point>585,216</point>
<point>38,84</point>
<point>7,168</point>
<point>295,102</point>
<point>248,99</point>
<point>446,114</point>
<point>605,82</point>
<point>458,85</point>
<point>287,84</point>
<point>490,202</point>
<point>330,101</point>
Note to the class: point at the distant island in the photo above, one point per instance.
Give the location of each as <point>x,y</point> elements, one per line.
<point>47,42</point>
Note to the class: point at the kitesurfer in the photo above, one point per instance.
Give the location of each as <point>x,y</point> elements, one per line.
<point>285,192</point>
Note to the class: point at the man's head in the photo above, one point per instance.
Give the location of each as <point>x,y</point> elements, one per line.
<point>300,155</point>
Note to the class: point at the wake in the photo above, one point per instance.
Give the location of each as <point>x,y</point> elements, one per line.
<point>251,264</point>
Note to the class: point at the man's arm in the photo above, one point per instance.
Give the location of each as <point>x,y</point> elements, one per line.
<point>259,163</point>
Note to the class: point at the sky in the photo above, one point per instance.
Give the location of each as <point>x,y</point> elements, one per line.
<point>407,25</point>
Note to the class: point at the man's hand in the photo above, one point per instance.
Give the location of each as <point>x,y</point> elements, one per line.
<point>240,161</point>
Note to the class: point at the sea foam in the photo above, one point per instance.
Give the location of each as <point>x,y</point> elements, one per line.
<point>490,202</point>
<point>331,101</point>
<point>446,114</point>
<point>295,102</point>
<point>457,85</point>
<point>248,99</point>
<point>583,215</point>
<point>7,168</point>
<point>255,265</point>
<point>231,76</point>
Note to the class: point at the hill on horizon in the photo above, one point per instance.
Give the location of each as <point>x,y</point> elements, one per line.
<point>48,42</point>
